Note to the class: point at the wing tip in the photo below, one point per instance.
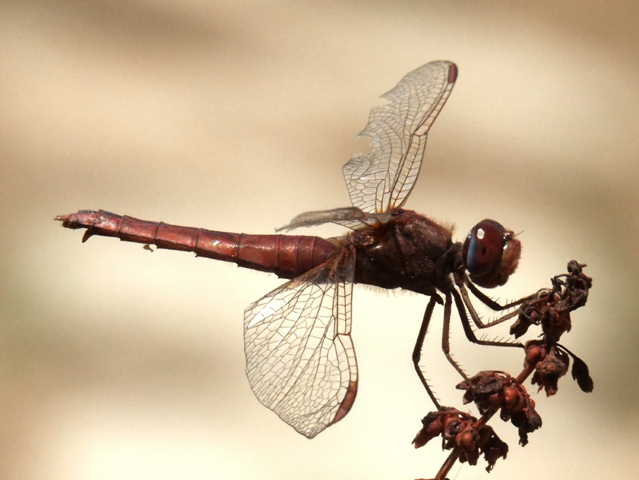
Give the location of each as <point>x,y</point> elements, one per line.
<point>347,403</point>
<point>343,409</point>
<point>453,71</point>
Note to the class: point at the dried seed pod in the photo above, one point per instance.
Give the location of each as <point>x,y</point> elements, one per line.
<point>513,401</point>
<point>535,351</point>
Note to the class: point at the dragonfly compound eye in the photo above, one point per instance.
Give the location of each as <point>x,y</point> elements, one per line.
<point>491,253</point>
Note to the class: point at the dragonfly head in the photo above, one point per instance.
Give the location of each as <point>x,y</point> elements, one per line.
<point>490,253</point>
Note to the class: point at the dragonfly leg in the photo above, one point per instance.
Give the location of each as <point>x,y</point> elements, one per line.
<point>473,313</point>
<point>470,334</point>
<point>417,351</point>
<point>486,300</point>
<point>446,337</point>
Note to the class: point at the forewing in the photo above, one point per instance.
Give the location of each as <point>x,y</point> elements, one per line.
<point>300,359</point>
<point>384,177</point>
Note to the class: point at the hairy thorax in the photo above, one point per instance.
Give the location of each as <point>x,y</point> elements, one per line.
<point>410,251</point>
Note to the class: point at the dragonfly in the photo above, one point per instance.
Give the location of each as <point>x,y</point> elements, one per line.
<point>300,358</point>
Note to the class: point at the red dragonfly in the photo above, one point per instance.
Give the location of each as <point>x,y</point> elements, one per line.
<point>300,359</point>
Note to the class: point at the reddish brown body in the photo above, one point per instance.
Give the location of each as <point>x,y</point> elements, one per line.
<point>285,255</point>
<point>300,358</point>
<point>409,251</point>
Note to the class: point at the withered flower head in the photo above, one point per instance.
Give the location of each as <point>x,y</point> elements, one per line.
<point>578,285</point>
<point>484,389</point>
<point>432,426</point>
<point>551,363</point>
<point>555,321</point>
<point>476,440</point>
<point>526,420</point>
<point>551,307</point>
<point>497,390</point>
<point>548,371</point>
<point>491,446</point>
<point>447,422</point>
<point>529,314</point>
<point>462,431</point>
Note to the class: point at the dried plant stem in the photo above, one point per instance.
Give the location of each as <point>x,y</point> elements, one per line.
<point>448,464</point>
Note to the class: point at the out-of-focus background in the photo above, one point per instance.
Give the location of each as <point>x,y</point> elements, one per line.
<point>117,363</point>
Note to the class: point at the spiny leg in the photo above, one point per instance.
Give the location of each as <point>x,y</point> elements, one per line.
<point>417,351</point>
<point>473,313</point>
<point>469,331</point>
<point>489,302</point>
<point>446,337</point>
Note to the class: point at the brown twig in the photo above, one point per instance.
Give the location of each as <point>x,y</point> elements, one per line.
<point>448,464</point>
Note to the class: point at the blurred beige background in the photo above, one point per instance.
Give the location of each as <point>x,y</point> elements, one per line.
<point>117,363</point>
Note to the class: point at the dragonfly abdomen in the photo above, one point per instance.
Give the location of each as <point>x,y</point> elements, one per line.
<point>285,255</point>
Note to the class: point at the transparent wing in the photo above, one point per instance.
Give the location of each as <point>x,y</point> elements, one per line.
<point>300,359</point>
<point>384,177</point>
<point>351,217</point>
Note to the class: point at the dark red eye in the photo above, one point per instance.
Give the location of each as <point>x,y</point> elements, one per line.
<point>483,247</point>
<point>491,253</point>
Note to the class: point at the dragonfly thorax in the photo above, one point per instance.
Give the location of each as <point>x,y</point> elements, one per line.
<point>409,251</point>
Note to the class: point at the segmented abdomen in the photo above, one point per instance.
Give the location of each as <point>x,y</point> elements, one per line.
<point>285,255</point>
